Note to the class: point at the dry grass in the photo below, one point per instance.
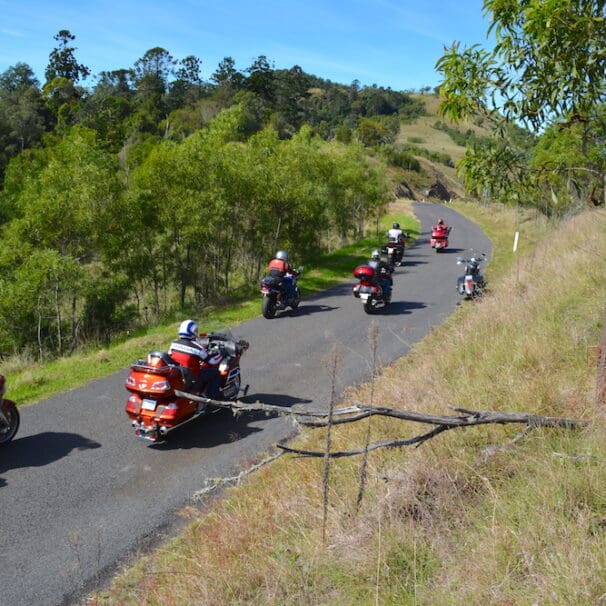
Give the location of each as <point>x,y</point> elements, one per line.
<point>433,139</point>
<point>470,517</point>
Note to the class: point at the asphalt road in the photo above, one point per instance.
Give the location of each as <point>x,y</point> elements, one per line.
<point>79,493</point>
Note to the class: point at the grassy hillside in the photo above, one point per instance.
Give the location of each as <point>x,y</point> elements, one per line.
<point>432,146</point>
<point>486,515</point>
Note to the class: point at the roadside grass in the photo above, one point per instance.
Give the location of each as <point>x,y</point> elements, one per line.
<point>483,515</point>
<point>30,381</point>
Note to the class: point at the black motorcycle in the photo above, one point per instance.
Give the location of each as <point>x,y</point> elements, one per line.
<point>472,283</point>
<point>9,416</point>
<point>394,252</point>
<point>278,294</point>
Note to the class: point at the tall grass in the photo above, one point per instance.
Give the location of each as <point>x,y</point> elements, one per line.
<point>481,515</point>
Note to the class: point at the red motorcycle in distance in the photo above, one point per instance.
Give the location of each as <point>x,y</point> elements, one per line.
<point>439,237</point>
<point>153,406</point>
<point>9,416</point>
<point>369,289</point>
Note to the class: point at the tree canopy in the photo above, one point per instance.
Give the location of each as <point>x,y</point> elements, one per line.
<point>546,72</point>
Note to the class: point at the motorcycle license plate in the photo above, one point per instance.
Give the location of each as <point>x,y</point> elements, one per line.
<point>148,404</point>
<point>364,296</point>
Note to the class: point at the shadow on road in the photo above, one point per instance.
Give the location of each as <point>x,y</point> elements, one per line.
<point>275,399</point>
<point>401,307</point>
<point>41,449</point>
<point>305,310</point>
<point>222,426</point>
<point>451,251</point>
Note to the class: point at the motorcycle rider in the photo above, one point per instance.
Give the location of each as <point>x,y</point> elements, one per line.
<point>280,268</point>
<point>383,273</point>
<point>441,226</point>
<point>188,352</point>
<point>395,234</point>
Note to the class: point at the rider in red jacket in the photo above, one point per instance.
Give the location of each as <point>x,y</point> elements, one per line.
<point>279,267</point>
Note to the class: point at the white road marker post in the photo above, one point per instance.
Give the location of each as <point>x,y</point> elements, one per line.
<point>516,238</point>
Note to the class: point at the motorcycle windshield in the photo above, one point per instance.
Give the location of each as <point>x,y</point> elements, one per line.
<point>223,337</point>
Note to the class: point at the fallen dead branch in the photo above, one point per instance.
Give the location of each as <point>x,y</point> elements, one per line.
<point>467,418</point>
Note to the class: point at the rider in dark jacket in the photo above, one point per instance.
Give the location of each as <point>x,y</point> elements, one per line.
<point>383,273</point>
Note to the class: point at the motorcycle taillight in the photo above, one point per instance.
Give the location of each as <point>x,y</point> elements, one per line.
<point>133,404</point>
<point>163,385</point>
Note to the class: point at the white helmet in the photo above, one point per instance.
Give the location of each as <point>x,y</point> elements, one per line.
<point>376,254</point>
<point>188,329</point>
<point>281,254</point>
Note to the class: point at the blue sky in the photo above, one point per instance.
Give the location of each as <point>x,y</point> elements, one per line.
<point>391,43</point>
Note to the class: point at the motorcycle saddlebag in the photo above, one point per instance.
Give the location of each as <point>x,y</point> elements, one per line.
<point>364,271</point>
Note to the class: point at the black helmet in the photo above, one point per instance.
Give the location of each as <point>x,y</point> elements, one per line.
<point>396,226</point>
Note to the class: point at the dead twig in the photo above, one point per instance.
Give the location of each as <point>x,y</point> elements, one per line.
<point>467,418</point>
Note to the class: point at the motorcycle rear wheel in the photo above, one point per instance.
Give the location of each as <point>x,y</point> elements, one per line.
<point>8,433</point>
<point>369,308</point>
<point>268,308</point>
<point>295,302</point>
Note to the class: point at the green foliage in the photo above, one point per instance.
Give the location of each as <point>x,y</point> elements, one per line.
<point>547,66</point>
<point>401,158</point>
<point>375,131</point>
<point>62,60</point>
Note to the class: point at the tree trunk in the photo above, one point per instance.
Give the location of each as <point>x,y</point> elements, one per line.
<point>59,319</point>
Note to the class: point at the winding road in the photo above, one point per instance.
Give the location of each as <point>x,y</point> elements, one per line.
<point>79,493</point>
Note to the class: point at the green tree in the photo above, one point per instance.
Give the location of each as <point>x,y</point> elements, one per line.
<point>23,115</point>
<point>547,67</point>
<point>62,60</point>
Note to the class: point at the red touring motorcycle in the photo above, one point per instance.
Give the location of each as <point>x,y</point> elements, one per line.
<point>369,289</point>
<point>9,416</point>
<point>439,238</point>
<point>153,406</point>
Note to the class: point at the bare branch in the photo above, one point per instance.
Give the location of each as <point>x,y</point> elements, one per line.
<point>467,418</point>
<point>374,446</point>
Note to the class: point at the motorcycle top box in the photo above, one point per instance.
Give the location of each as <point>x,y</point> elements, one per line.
<point>364,272</point>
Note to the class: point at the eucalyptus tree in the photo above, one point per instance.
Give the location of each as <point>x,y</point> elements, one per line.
<point>57,205</point>
<point>153,73</point>
<point>187,87</point>
<point>228,80</point>
<point>23,115</point>
<point>547,66</point>
<point>357,189</point>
